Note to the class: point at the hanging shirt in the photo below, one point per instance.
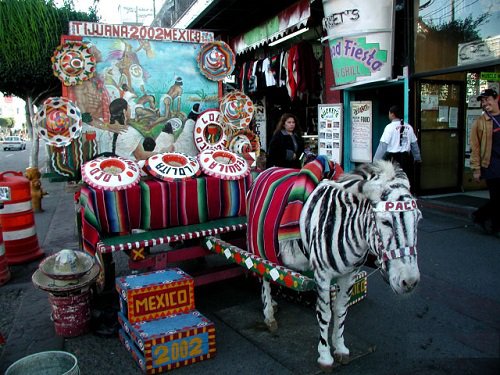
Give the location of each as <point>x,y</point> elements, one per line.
<point>268,73</point>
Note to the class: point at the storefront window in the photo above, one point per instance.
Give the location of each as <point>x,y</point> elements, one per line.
<point>443,29</point>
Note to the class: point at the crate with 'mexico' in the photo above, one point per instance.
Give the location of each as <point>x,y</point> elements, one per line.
<point>170,342</point>
<point>155,295</point>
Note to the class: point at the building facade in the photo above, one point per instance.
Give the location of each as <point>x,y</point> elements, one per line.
<point>12,107</point>
<point>430,57</point>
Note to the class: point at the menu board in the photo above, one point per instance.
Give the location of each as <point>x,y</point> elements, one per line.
<point>361,131</point>
<point>330,131</point>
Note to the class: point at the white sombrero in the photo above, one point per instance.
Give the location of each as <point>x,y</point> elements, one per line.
<point>65,271</point>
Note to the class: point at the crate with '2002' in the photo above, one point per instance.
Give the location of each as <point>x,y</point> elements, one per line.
<point>167,343</point>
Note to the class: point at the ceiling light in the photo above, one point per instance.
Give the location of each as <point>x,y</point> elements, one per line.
<point>295,33</point>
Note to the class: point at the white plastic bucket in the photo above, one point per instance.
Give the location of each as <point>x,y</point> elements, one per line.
<point>45,363</point>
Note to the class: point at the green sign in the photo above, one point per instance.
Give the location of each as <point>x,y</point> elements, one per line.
<point>490,76</point>
<point>354,57</point>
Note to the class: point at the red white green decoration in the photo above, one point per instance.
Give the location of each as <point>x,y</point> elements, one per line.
<point>209,132</point>
<point>223,164</point>
<point>172,166</point>
<point>237,110</point>
<point>111,173</point>
<point>58,121</point>
<point>279,274</point>
<point>73,62</point>
<point>216,60</point>
<point>244,141</point>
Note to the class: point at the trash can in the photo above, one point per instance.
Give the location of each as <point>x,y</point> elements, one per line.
<point>45,363</point>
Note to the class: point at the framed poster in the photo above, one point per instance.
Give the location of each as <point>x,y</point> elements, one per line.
<point>361,131</point>
<point>330,122</point>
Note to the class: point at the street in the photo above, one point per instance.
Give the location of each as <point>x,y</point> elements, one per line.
<point>448,325</point>
<point>19,160</point>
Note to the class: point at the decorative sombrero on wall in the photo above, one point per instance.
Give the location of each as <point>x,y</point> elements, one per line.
<point>237,110</point>
<point>216,60</point>
<point>111,173</point>
<point>58,121</point>
<point>209,131</point>
<point>172,166</point>
<point>73,62</point>
<point>223,164</point>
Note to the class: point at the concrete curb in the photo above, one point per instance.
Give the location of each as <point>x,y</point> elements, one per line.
<point>445,207</point>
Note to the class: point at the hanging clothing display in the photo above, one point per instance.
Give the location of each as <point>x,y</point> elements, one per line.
<point>297,69</point>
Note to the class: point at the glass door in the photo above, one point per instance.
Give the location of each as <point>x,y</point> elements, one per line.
<point>441,135</point>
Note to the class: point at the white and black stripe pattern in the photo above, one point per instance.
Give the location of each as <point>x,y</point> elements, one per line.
<point>340,226</point>
<point>334,219</point>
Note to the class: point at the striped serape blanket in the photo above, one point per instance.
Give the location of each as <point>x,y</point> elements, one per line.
<point>154,204</point>
<point>275,201</point>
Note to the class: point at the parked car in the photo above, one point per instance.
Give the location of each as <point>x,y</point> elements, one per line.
<point>14,143</point>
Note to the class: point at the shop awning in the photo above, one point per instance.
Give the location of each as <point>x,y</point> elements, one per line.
<point>288,20</point>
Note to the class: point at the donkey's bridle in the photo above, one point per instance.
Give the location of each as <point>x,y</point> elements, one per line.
<point>383,255</point>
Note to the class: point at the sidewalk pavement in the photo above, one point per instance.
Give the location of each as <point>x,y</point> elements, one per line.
<point>26,324</point>
<point>55,230</point>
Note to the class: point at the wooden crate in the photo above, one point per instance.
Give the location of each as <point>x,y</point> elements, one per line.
<point>154,295</point>
<point>168,343</point>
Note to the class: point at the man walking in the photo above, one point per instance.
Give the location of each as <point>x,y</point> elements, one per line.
<point>399,143</point>
<point>485,158</point>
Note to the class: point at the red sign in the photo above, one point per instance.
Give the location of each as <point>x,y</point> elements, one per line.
<point>139,32</point>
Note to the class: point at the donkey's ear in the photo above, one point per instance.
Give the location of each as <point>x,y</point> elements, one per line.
<point>361,186</point>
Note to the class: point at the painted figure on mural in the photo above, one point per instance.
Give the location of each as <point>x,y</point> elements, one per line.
<point>91,98</point>
<point>286,146</point>
<point>399,143</point>
<point>485,159</point>
<point>130,143</point>
<point>172,96</point>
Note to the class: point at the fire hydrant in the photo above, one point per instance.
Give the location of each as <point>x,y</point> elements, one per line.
<point>37,193</point>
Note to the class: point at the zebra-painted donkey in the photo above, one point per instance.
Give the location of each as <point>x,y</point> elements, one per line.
<point>370,210</point>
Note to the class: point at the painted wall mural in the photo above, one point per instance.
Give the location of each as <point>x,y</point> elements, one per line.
<point>143,97</point>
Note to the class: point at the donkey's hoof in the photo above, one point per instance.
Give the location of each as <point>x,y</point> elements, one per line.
<point>272,326</point>
<point>326,368</point>
<point>341,358</point>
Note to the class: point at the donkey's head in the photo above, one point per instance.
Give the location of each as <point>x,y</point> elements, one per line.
<point>395,218</point>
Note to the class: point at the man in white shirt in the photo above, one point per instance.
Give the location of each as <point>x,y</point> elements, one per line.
<point>399,143</point>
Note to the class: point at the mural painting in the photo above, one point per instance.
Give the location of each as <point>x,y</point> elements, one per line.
<point>143,98</point>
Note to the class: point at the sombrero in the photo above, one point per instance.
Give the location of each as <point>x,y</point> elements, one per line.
<point>111,173</point>
<point>42,281</point>
<point>73,62</point>
<point>58,121</point>
<point>216,60</point>
<point>65,271</point>
<point>237,110</point>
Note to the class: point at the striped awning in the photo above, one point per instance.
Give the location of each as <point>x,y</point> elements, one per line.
<point>285,22</point>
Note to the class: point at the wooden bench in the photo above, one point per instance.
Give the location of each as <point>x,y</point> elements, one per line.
<point>184,247</point>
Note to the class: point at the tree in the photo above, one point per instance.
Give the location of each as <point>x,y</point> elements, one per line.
<point>30,31</point>
<point>446,37</point>
<point>7,122</point>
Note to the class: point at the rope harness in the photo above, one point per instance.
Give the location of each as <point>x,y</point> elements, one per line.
<point>384,255</point>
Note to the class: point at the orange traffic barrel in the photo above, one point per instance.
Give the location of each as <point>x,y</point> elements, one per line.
<point>4,267</point>
<point>17,219</point>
